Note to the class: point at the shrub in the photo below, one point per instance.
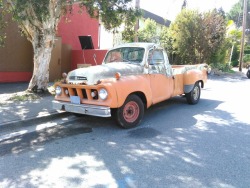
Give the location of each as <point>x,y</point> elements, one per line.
<point>224,67</point>
<point>235,63</point>
<point>246,58</point>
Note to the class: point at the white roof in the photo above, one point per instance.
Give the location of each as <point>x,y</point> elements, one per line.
<point>137,44</point>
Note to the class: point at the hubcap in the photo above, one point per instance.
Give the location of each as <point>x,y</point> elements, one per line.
<point>131,111</point>
<point>196,93</point>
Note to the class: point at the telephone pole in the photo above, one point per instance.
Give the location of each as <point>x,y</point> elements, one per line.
<point>137,6</point>
<point>243,34</point>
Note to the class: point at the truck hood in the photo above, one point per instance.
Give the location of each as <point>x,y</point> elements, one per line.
<point>91,75</point>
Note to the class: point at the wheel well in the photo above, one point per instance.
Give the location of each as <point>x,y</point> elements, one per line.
<point>142,97</point>
<point>201,83</point>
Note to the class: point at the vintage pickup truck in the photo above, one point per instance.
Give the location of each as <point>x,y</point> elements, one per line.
<point>132,78</point>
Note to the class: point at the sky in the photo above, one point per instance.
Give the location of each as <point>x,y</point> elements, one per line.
<point>170,8</point>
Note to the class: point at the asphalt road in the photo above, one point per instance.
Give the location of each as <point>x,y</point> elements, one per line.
<point>176,145</point>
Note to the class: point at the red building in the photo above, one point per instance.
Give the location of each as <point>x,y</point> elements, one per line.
<point>16,58</point>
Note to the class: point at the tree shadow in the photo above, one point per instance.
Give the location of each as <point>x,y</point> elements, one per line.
<point>177,145</point>
<point>21,110</point>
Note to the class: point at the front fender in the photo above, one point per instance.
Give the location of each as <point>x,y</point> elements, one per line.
<point>131,84</point>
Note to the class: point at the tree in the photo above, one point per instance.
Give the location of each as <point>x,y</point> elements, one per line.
<point>236,14</point>
<point>185,30</point>
<point>149,32</point>
<point>128,35</point>
<point>167,41</point>
<point>38,21</point>
<point>2,24</point>
<point>214,34</point>
<point>234,37</point>
<point>196,36</point>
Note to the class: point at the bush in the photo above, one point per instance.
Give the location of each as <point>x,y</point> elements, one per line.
<point>246,58</point>
<point>224,67</point>
<point>235,63</point>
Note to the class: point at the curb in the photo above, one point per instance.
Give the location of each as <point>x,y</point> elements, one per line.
<point>25,123</point>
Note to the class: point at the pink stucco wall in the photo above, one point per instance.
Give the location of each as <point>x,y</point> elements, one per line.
<point>78,24</point>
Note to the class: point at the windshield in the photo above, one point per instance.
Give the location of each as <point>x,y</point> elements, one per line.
<point>125,54</point>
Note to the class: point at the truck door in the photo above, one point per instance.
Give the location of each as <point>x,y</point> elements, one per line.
<point>161,83</point>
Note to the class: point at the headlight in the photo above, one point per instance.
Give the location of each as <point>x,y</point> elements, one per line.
<point>66,91</point>
<point>58,90</point>
<point>103,94</point>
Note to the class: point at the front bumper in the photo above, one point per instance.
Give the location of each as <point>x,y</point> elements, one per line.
<point>92,110</point>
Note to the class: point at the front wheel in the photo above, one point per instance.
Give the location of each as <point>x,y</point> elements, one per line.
<point>248,73</point>
<point>193,96</point>
<point>130,114</point>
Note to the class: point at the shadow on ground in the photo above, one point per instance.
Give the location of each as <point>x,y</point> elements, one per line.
<point>168,148</point>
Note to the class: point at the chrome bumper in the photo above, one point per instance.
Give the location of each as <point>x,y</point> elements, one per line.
<point>92,110</point>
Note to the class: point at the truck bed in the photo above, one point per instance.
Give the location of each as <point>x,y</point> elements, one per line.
<point>181,69</point>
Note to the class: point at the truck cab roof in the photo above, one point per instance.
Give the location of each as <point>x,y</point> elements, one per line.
<point>145,45</point>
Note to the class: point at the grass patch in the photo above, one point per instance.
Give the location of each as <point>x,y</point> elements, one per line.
<point>51,90</point>
<point>24,96</point>
<point>231,71</point>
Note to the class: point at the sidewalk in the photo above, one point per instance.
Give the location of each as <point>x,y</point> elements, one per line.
<point>14,109</point>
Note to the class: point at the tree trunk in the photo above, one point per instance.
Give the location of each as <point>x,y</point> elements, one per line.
<point>42,55</point>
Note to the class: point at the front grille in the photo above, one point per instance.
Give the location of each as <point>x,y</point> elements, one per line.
<point>84,94</point>
<point>81,92</point>
<point>78,78</point>
<point>74,92</point>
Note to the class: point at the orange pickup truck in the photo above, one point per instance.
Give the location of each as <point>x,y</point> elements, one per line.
<point>132,78</point>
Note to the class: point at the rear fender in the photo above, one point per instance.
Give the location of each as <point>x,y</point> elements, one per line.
<point>191,77</point>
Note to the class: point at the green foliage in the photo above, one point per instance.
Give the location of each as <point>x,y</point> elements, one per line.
<point>167,41</point>
<point>2,24</point>
<point>113,13</point>
<point>246,58</point>
<point>24,96</point>
<point>236,13</point>
<point>185,30</point>
<point>236,54</point>
<point>32,14</point>
<point>129,33</point>
<point>149,32</point>
<point>222,54</point>
<point>234,36</point>
<point>224,67</point>
<point>234,63</point>
<point>247,49</point>
<point>196,37</point>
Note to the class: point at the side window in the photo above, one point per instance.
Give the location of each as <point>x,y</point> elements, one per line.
<point>156,62</point>
<point>169,71</point>
<point>150,56</point>
<point>155,57</point>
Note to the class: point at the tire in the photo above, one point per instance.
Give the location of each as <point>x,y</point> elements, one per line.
<point>130,114</point>
<point>248,73</point>
<point>193,96</point>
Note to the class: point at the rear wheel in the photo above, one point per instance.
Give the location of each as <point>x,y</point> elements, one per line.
<point>193,96</point>
<point>130,114</point>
